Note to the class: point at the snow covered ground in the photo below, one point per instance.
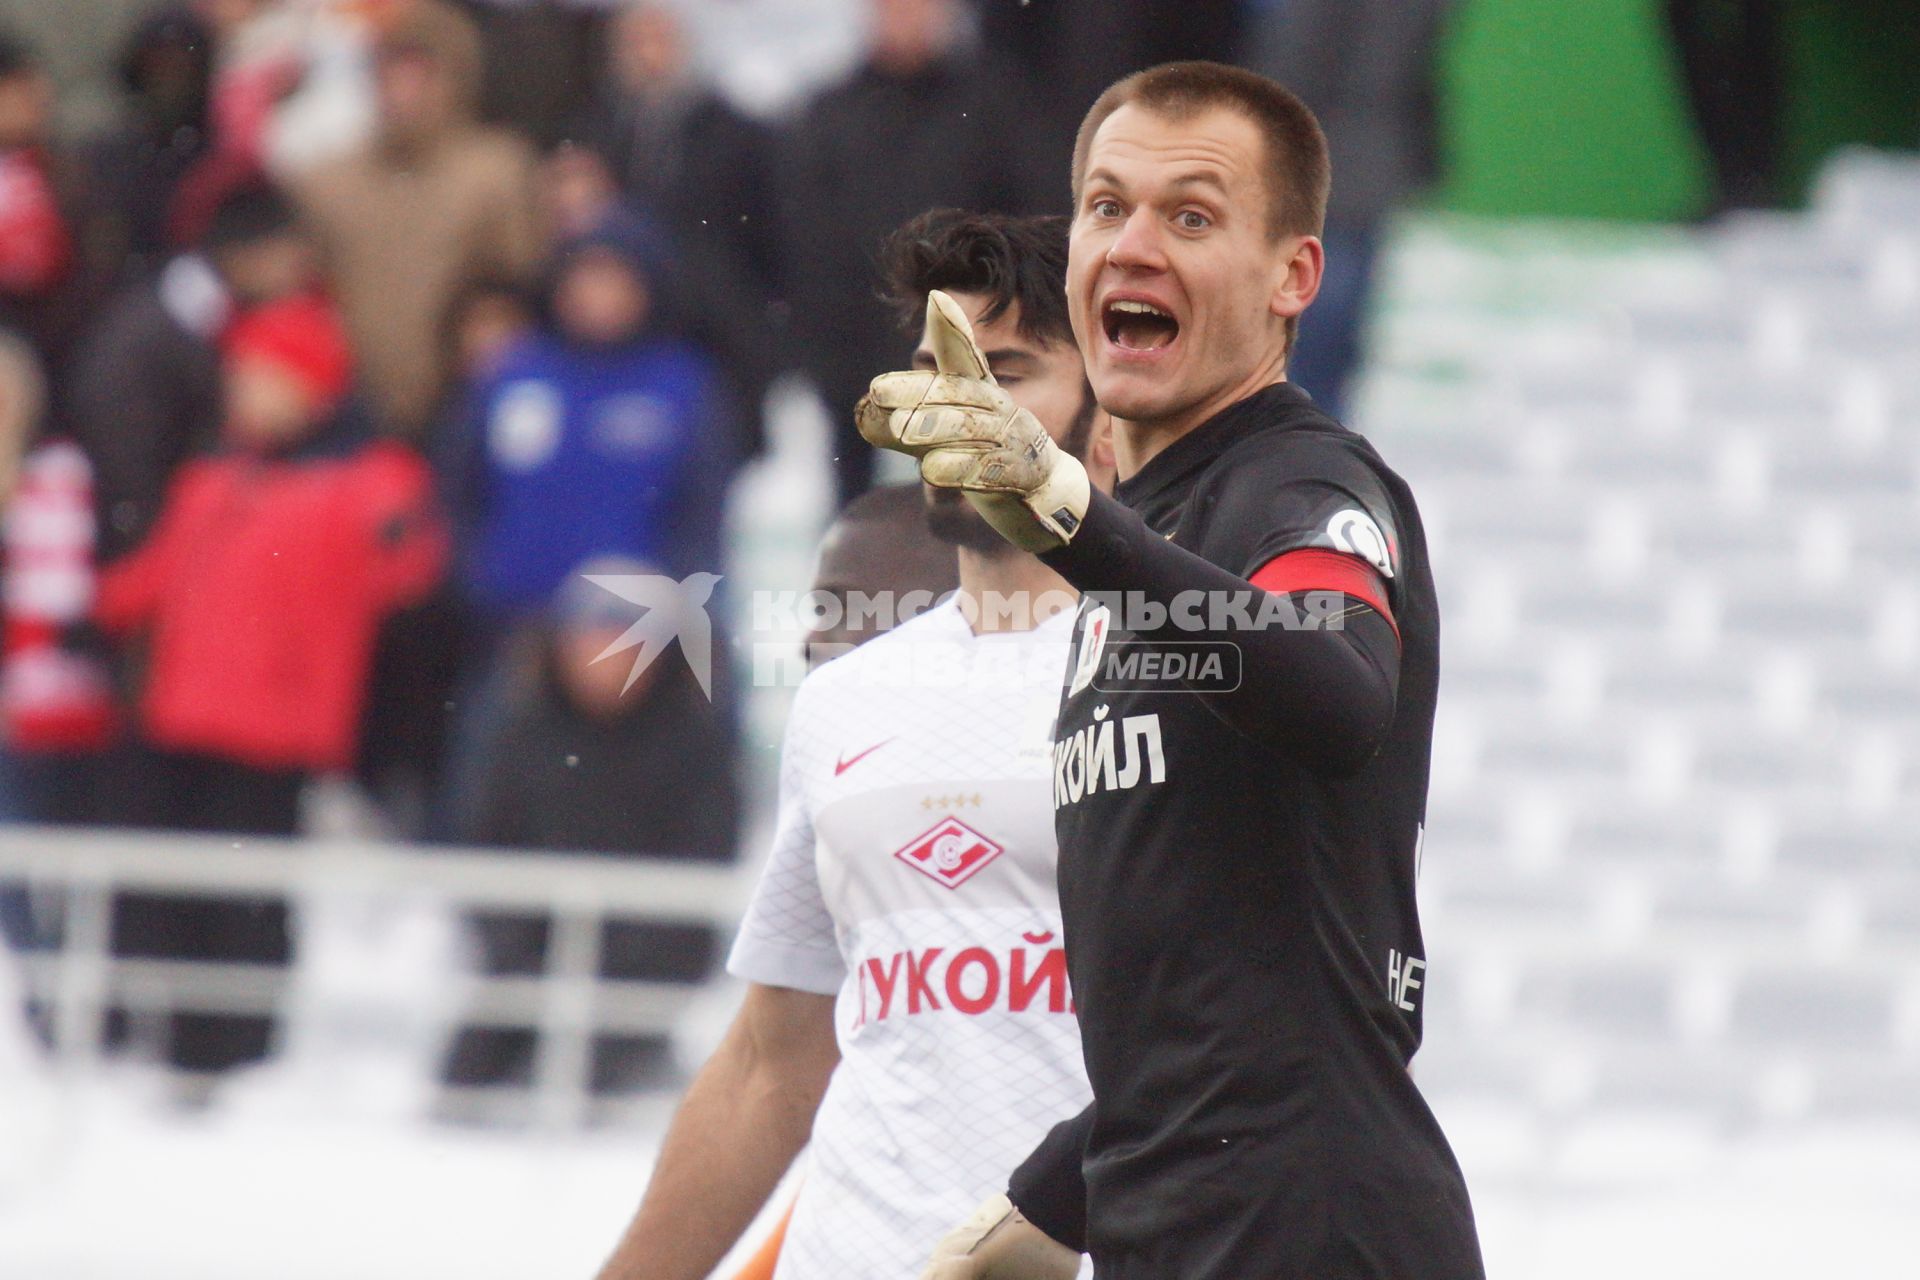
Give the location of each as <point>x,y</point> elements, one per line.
<point>123,1189</point>
<point>319,1166</point>
<point>105,1182</point>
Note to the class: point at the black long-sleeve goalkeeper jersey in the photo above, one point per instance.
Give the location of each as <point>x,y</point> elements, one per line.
<point>1238,846</point>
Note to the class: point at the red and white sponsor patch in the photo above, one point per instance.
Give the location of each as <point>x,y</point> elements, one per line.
<point>1093,642</point>
<point>951,852</point>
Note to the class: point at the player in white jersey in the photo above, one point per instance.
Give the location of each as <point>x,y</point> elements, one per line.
<point>908,1005</point>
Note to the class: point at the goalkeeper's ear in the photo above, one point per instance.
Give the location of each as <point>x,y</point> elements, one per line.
<point>949,336</point>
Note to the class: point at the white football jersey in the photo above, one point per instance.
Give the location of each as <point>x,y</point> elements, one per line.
<point>912,876</point>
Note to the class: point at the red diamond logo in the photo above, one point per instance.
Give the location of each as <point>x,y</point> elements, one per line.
<point>951,853</point>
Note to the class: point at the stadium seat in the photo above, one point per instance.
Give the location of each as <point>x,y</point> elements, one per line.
<point>1671,887</point>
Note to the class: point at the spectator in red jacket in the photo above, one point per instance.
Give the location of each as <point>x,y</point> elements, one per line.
<point>273,563</point>
<point>51,260</point>
<point>259,594</point>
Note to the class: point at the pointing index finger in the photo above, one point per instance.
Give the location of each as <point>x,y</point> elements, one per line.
<point>950,338</point>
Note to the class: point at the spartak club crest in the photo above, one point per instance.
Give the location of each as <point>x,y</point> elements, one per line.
<point>951,852</point>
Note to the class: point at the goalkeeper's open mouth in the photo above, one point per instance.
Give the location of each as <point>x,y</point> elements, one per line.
<point>1138,325</point>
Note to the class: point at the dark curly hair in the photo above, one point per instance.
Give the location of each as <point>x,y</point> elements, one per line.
<point>1008,259</point>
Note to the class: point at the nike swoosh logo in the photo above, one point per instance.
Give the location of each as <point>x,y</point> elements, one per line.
<point>843,764</point>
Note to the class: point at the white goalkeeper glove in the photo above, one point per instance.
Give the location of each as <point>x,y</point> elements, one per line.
<point>969,435</point>
<point>998,1243</point>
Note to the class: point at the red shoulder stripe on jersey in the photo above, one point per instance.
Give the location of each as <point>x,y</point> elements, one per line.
<point>1316,569</point>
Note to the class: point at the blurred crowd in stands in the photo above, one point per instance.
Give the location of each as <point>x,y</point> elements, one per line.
<point>374,323</point>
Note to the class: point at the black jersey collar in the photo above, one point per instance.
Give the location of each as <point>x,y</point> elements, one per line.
<point>1209,440</point>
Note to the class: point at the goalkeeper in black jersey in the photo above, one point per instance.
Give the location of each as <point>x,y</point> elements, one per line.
<point>1240,763</point>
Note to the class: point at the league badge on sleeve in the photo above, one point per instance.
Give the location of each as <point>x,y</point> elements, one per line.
<point>1354,531</point>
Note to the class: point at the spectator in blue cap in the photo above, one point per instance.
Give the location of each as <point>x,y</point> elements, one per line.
<point>596,435</point>
<point>600,433</point>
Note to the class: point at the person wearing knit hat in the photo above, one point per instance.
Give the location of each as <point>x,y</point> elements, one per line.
<point>144,393</point>
<point>256,600</point>
<point>599,434</point>
<point>288,370</point>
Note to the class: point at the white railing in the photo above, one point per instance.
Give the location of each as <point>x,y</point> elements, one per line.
<point>82,869</point>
